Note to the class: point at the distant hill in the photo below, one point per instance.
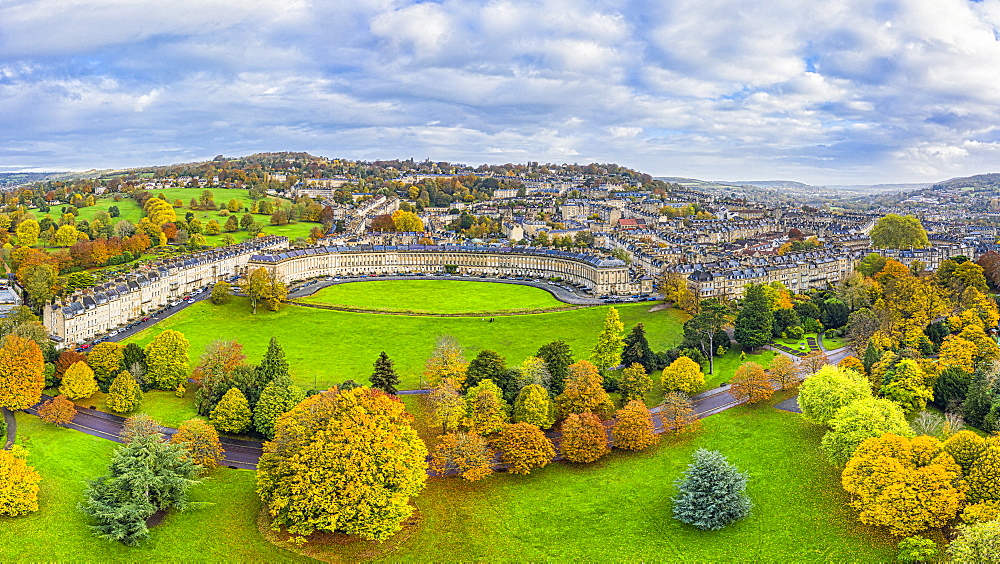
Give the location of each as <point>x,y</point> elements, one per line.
<point>990,181</point>
<point>778,184</point>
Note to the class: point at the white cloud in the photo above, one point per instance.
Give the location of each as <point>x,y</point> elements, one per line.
<point>846,89</point>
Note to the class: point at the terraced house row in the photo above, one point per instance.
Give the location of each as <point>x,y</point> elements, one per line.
<point>91,312</point>
<point>603,275</point>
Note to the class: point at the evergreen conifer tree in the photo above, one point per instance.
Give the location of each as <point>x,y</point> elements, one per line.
<point>557,356</point>
<point>384,377</point>
<point>145,476</point>
<point>872,355</point>
<point>755,321</point>
<point>712,493</point>
<point>273,364</point>
<point>637,349</point>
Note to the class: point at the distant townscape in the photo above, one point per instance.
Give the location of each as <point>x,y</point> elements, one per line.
<point>359,361</point>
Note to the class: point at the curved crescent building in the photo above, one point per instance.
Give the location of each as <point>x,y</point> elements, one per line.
<point>601,275</point>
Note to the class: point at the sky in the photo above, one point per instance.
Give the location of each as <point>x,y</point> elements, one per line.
<point>831,92</point>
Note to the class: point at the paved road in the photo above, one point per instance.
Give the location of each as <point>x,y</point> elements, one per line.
<point>561,293</point>
<point>237,453</point>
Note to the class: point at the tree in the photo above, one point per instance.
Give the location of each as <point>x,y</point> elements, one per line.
<point>677,413</point>
<point>145,476</point>
<point>384,377</point>
<point>634,382</point>
<point>58,410</point>
<point>813,362</point>
<point>27,233</point>
<point>979,543</point>
<point>264,285</point>
<point>534,406</point>
<point>78,382</point>
<point>633,428</point>
<point>39,281</point>
<point>917,549</point>
<point>524,447</point>
<point>201,442</point>
<point>232,224</point>
<point>755,321</point>
<point>984,475</point>
<point>446,362</point>
<point>273,365</point>
<point>682,375</point>
<point>166,360</point>
<point>232,415</point>
<point>212,227</point>
<point>140,425</point>
<point>278,398</point>
<point>583,438</point>
<point>485,410</point>
<point>557,356</point>
<point>22,376</point>
<point>706,324</point>
<point>364,460</point>
<point>18,483</point>
<point>447,405</point>
<point>907,485</point>
<point>990,263</point>
<point>860,420</point>
<point>828,390</point>
<point>222,292</point>
<point>407,222</point>
<point>487,365</point>
<point>783,372</point>
<point>907,386</point>
<point>637,349</point>
<point>712,493</point>
<point>534,371</point>
<point>221,367</point>
<point>584,392</point>
<point>895,231</point>
<point>124,395</point>
<point>65,360</point>
<point>750,384</point>
<point>966,447</point>
<point>106,361</point>
<point>607,353</point>
<point>466,454</point>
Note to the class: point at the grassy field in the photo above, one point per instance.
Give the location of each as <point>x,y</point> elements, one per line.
<point>335,346</point>
<point>618,509</point>
<point>437,296</point>
<point>223,530</point>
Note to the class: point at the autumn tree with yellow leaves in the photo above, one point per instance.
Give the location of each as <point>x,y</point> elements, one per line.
<point>524,447</point>
<point>343,462</point>
<point>465,454</point>
<point>584,392</point>
<point>583,438</point>
<point>907,485</point>
<point>633,428</point>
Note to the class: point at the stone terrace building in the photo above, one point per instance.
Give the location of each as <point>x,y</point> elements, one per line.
<point>601,275</point>
<point>96,310</point>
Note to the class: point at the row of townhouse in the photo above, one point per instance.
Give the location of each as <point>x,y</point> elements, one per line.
<point>602,275</point>
<point>799,272</point>
<point>94,311</point>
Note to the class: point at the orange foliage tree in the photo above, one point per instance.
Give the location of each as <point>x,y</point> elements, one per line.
<point>58,410</point>
<point>524,447</point>
<point>633,428</point>
<point>583,438</point>
<point>22,376</point>
<point>465,454</point>
<point>751,384</point>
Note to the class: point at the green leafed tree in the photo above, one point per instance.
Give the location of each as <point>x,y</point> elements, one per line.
<point>831,388</point>
<point>862,419</point>
<point>233,414</point>
<point>534,406</point>
<point>607,353</point>
<point>557,356</point>
<point>384,376</point>
<point>167,360</point>
<point>278,398</point>
<point>755,321</point>
<point>145,476</point>
<point>124,395</point>
<point>637,349</point>
<point>634,382</point>
<point>896,231</point>
<point>485,410</point>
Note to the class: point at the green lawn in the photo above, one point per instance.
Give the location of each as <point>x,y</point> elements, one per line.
<point>831,343</point>
<point>225,530</point>
<point>435,296</point>
<point>165,407</point>
<point>726,365</point>
<point>335,346</point>
<point>618,509</point>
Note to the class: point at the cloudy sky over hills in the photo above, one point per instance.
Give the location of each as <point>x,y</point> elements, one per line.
<point>837,92</point>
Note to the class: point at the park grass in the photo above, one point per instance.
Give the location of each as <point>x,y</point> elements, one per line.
<point>726,365</point>
<point>327,347</point>
<point>435,296</point>
<point>223,530</point>
<point>831,343</point>
<point>164,407</point>
<point>618,509</point>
